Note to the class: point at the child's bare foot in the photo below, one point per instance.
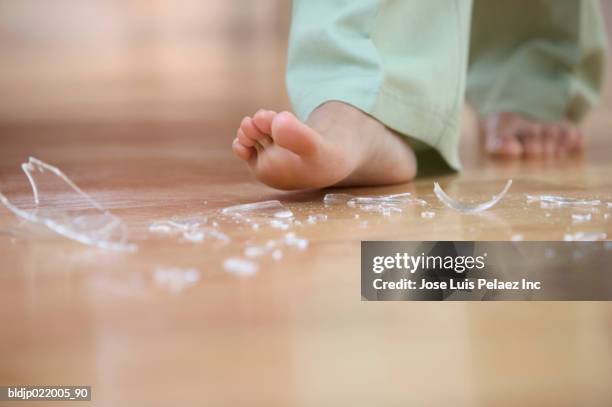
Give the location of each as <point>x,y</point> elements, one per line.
<point>512,135</point>
<point>338,145</point>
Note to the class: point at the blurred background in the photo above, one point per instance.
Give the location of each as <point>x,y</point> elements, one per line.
<point>134,60</point>
<point>89,61</point>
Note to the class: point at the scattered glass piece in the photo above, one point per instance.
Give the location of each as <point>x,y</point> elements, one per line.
<point>469,208</point>
<point>518,237</point>
<point>265,209</point>
<point>313,219</point>
<point>383,204</point>
<point>240,266</point>
<point>292,240</point>
<point>385,200</point>
<point>190,229</point>
<point>277,254</point>
<point>274,247</point>
<point>554,201</point>
<point>176,279</point>
<point>64,208</point>
<point>428,215</point>
<point>279,224</point>
<point>584,236</point>
<point>336,199</point>
<point>579,217</point>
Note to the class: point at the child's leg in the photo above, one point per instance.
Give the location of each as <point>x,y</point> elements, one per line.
<point>363,75</point>
<point>536,68</point>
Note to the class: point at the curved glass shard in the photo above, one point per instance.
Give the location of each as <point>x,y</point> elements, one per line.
<point>469,208</point>
<point>64,208</point>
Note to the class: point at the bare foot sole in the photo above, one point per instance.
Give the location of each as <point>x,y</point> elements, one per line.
<point>338,145</point>
<point>511,135</point>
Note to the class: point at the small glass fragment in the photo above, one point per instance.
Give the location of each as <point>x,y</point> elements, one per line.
<point>517,237</point>
<point>279,224</point>
<point>469,208</point>
<point>395,199</point>
<point>553,201</point>
<point>240,266</point>
<point>336,199</point>
<point>265,209</point>
<point>312,219</point>
<point>579,217</point>
<point>64,208</point>
<point>190,229</point>
<point>176,279</point>
<point>428,215</point>
<point>294,241</point>
<point>277,254</point>
<point>584,236</point>
<point>274,247</point>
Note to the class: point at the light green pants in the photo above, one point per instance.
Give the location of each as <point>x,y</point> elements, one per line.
<point>405,61</point>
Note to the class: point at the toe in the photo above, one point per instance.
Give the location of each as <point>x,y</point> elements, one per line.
<point>531,137</point>
<point>499,139</point>
<point>290,133</point>
<point>250,131</point>
<point>550,140</point>
<point>243,152</point>
<point>572,139</point>
<point>263,120</point>
<point>508,146</point>
<point>244,140</point>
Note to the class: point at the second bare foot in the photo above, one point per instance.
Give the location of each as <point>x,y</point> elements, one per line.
<point>511,135</point>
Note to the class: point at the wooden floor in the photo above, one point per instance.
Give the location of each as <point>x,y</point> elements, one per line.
<point>295,332</point>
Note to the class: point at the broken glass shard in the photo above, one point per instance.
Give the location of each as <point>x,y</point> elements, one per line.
<point>190,229</point>
<point>277,254</point>
<point>240,266</point>
<point>336,199</point>
<point>274,247</point>
<point>469,208</point>
<point>579,217</point>
<point>396,199</point>
<point>176,279</point>
<point>265,209</point>
<point>292,240</point>
<point>428,215</point>
<point>554,201</point>
<point>64,208</point>
<point>313,219</point>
